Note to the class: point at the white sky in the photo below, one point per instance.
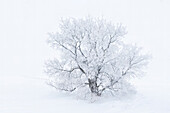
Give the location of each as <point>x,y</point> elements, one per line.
<point>24,25</point>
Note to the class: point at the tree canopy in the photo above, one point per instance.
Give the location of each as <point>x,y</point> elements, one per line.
<point>94,57</point>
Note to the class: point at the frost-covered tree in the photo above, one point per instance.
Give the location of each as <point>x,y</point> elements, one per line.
<point>94,57</point>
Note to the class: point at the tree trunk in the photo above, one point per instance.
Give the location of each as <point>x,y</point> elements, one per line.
<point>93,86</point>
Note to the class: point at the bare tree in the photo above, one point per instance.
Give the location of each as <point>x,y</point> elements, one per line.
<point>94,57</point>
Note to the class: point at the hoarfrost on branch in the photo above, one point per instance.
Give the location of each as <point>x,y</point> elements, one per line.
<point>94,57</point>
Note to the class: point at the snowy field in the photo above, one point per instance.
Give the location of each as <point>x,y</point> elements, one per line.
<point>24,25</point>
<point>25,95</point>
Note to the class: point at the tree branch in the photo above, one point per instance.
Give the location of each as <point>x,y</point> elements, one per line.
<point>69,90</point>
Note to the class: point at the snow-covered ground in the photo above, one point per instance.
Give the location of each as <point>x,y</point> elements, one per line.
<point>23,26</point>
<point>32,95</point>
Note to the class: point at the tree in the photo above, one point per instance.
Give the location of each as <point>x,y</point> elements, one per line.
<point>94,57</point>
